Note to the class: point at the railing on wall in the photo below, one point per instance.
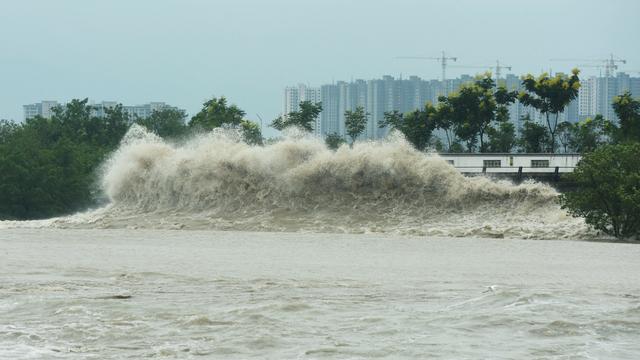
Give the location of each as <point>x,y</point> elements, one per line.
<point>516,169</point>
<point>518,172</point>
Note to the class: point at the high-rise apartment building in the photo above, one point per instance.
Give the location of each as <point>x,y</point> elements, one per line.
<point>329,119</point>
<point>43,108</point>
<point>351,95</point>
<point>387,94</point>
<point>375,96</point>
<point>586,104</point>
<point>145,110</point>
<point>294,95</point>
<point>100,109</point>
<point>597,93</point>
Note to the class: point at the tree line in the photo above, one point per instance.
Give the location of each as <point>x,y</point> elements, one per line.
<point>48,166</point>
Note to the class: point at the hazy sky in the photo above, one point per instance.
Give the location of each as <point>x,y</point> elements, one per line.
<point>183,52</point>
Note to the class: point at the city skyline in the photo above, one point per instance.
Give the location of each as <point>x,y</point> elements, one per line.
<point>408,93</point>
<point>387,94</point>
<point>186,52</point>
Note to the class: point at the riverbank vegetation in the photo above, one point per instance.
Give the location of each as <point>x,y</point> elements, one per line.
<point>49,167</point>
<point>608,190</point>
<point>607,178</point>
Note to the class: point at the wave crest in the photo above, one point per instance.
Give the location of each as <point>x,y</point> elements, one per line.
<point>216,181</point>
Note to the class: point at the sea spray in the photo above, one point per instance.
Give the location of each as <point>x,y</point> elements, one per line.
<point>216,181</point>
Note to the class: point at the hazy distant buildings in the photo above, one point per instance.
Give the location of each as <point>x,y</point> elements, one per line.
<point>294,95</point>
<point>378,96</point>
<point>352,95</point>
<point>100,109</point>
<point>145,110</point>
<point>597,93</point>
<point>45,109</point>
<point>329,119</point>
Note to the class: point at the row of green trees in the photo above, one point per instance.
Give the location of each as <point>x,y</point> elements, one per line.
<point>476,117</point>
<point>48,167</point>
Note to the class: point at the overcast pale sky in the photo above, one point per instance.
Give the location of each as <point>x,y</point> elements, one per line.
<point>185,51</point>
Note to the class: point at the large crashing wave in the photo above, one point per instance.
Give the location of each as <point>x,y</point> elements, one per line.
<point>215,181</point>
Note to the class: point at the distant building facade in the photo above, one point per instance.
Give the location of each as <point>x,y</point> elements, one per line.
<point>45,109</point>
<point>145,110</point>
<point>597,93</point>
<point>294,95</point>
<point>378,96</point>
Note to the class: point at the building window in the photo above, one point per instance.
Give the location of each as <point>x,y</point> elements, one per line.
<point>450,162</point>
<point>539,163</point>
<point>491,163</point>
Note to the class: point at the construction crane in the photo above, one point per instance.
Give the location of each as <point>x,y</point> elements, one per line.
<point>498,68</point>
<point>442,59</point>
<point>599,67</point>
<point>609,64</point>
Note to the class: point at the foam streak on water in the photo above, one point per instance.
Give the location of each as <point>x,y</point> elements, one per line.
<point>214,181</point>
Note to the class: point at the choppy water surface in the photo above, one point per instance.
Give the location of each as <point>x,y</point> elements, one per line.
<point>114,294</point>
<point>423,280</point>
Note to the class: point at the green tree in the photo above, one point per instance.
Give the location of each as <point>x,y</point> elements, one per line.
<point>304,118</point>
<point>115,124</point>
<point>550,96</point>
<point>608,190</point>
<point>355,122</point>
<point>502,139</point>
<point>166,123</point>
<point>416,126</point>
<point>533,136</point>
<point>565,134</point>
<point>48,166</point>
<point>74,120</point>
<point>251,132</point>
<point>217,113</point>
<point>436,144</point>
<point>334,141</point>
<point>456,147</point>
<point>589,134</point>
<point>628,111</point>
<point>442,119</point>
<point>475,107</point>
<point>7,129</point>
<point>29,180</point>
